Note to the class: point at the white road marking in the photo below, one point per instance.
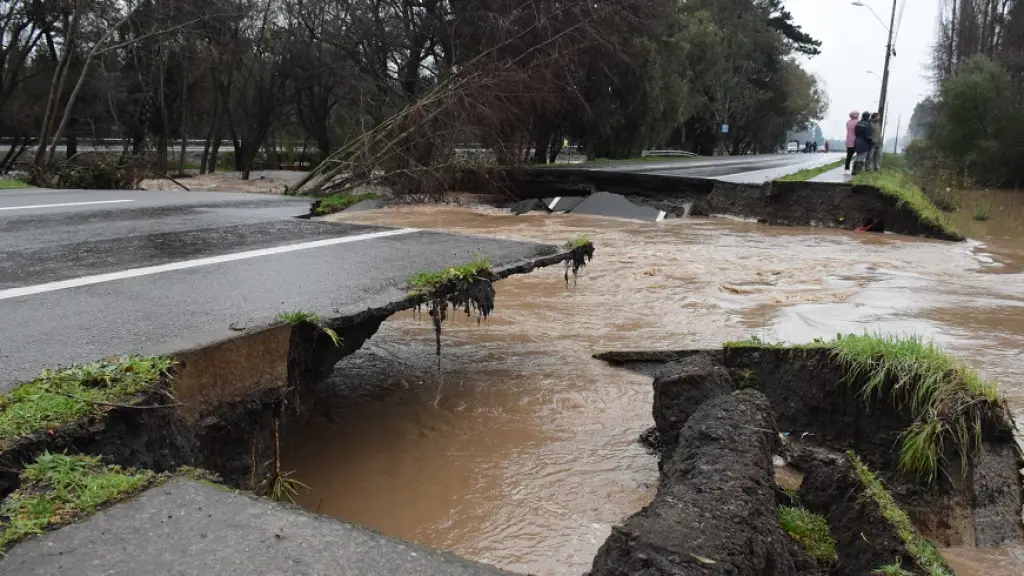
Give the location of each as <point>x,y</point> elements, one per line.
<point>553,202</point>
<point>186,264</point>
<point>62,204</point>
<point>661,216</point>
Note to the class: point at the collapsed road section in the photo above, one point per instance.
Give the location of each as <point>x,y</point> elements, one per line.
<point>178,366</point>
<point>652,197</point>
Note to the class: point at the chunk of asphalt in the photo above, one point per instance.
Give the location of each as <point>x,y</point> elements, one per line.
<point>608,204</point>
<point>364,205</point>
<point>524,206</point>
<point>190,528</point>
<point>562,203</point>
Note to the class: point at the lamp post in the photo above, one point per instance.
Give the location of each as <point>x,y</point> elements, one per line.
<point>888,54</point>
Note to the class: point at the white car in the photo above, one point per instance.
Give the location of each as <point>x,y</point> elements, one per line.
<point>792,147</point>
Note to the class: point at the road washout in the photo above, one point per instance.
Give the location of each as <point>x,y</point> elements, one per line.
<point>220,408</point>
<point>526,460</point>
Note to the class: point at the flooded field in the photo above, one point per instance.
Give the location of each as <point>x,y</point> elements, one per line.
<point>521,452</point>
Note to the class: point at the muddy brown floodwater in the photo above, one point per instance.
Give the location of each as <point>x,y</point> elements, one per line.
<point>522,451</point>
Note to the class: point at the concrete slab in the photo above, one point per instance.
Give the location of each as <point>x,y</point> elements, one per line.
<point>524,206</point>
<point>616,206</point>
<point>189,528</point>
<point>563,203</point>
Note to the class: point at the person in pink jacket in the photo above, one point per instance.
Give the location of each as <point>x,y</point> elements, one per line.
<point>851,138</point>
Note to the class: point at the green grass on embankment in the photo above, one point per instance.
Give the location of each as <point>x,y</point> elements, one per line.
<point>339,202</point>
<point>13,183</point>
<point>945,399</point>
<point>425,283</point>
<point>899,186</point>
<point>810,531</point>
<point>922,549</point>
<point>60,397</point>
<point>58,489</point>
<point>808,173</point>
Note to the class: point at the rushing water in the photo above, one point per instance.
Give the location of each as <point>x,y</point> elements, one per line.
<point>521,452</point>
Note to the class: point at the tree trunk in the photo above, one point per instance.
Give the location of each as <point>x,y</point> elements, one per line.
<point>184,130</point>
<point>56,89</point>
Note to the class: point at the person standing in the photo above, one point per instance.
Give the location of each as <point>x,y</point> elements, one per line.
<point>864,143</point>
<point>851,138</point>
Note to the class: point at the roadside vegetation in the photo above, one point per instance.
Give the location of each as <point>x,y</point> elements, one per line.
<point>811,531</point>
<point>946,399</point>
<point>338,202</point>
<point>312,318</point>
<point>922,549</point>
<point>468,287</point>
<point>58,489</point>
<point>12,183</point>
<point>808,173</point>
<point>60,397</point>
<point>899,186</point>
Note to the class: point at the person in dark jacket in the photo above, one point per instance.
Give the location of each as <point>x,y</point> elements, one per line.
<point>865,141</point>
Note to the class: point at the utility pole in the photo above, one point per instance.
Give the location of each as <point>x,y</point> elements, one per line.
<point>896,143</point>
<point>885,71</point>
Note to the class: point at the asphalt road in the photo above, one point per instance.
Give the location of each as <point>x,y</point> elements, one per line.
<point>745,169</point>
<point>90,274</point>
<point>187,528</point>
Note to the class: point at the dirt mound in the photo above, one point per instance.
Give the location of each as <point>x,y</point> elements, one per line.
<point>680,390</point>
<point>715,510</point>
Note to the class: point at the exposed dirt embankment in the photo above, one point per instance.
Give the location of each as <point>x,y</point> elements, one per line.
<point>819,401</point>
<point>779,203</point>
<point>715,510</point>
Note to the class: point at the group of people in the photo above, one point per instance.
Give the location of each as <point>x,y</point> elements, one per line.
<point>863,141</point>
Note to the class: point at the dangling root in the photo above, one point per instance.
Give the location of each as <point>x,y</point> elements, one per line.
<point>469,288</point>
<point>581,251</point>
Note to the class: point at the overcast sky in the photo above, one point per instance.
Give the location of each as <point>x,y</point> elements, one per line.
<point>853,41</point>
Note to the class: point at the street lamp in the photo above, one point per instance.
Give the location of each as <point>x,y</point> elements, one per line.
<point>873,13</point>
<point>888,54</point>
<point>873,73</point>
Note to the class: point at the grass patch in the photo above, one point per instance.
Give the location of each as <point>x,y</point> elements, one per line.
<point>900,187</point>
<point>60,397</point>
<point>304,317</point>
<point>810,531</point>
<point>57,489</point>
<point>339,202</point>
<point>424,283</point>
<point>12,183</point>
<point>808,173</point>
<point>468,287</point>
<point>922,549</point>
<point>945,398</point>
<point>894,569</point>
<point>578,242</point>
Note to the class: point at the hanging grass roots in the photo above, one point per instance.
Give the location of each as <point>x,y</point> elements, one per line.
<point>581,251</point>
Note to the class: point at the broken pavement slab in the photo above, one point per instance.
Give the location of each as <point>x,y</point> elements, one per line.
<point>616,206</point>
<point>186,527</point>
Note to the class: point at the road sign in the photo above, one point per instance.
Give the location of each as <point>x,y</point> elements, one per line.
<point>725,128</point>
